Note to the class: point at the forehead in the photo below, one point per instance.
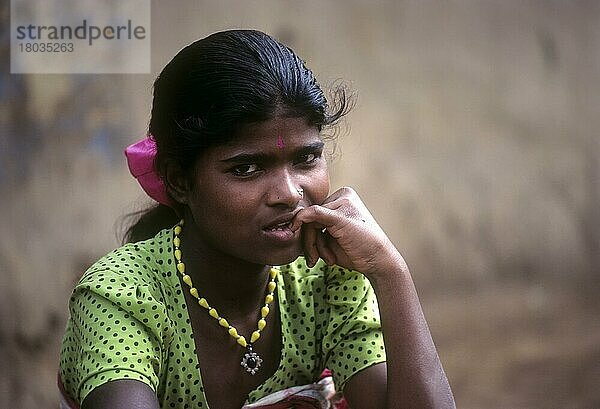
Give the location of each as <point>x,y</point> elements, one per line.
<point>270,134</point>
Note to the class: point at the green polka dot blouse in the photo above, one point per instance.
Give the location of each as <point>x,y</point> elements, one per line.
<point>128,320</point>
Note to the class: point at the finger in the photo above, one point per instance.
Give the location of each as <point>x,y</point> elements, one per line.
<point>341,192</point>
<point>324,251</point>
<point>309,242</point>
<point>343,205</point>
<point>319,215</point>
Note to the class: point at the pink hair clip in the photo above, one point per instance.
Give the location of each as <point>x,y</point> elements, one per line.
<point>140,160</point>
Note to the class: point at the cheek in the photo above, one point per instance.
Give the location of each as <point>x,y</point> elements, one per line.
<point>232,205</point>
<point>215,205</point>
<point>319,185</point>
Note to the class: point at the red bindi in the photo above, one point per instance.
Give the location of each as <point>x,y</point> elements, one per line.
<point>280,143</point>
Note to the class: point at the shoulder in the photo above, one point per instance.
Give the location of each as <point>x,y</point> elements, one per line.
<point>121,308</point>
<point>143,262</point>
<point>133,278</point>
<point>339,308</point>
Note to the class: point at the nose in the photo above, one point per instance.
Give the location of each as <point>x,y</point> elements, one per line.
<point>285,191</point>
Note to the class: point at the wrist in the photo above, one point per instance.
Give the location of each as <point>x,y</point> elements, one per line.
<point>391,266</point>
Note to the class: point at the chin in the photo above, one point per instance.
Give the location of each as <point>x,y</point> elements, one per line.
<point>283,257</point>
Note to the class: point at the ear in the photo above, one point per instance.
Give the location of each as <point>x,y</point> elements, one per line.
<point>178,185</point>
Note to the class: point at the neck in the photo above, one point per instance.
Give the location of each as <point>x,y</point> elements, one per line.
<point>234,286</point>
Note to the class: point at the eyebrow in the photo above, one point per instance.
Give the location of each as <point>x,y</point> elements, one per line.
<point>262,157</point>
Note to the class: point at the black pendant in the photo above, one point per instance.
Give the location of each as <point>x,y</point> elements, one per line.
<point>251,361</point>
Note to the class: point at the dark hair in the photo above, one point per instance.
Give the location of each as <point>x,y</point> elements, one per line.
<point>214,87</point>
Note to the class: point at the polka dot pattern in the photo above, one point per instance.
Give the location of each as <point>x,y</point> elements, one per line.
<point>129,320</point>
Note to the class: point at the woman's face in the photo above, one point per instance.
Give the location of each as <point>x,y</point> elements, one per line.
<point>245,193</point>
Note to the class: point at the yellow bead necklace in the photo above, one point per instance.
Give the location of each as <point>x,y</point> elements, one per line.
<point>251,361</point>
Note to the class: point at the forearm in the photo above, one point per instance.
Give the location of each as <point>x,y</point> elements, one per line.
<point>415,377</point>
<point>354,240</point>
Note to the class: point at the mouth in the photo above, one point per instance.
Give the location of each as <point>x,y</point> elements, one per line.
<point>279,229</point>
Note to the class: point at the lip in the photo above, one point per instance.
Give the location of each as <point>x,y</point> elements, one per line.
<point>283,235</point>
<point>278,229</point>
<point>284,218</point>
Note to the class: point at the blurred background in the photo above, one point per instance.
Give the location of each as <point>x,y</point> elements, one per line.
<point>474,143</point>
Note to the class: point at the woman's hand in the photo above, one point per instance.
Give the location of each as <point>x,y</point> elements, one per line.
<point>342,231</point>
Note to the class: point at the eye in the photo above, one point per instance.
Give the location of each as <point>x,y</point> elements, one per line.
<point>245,170</point>
<point>309,158</point>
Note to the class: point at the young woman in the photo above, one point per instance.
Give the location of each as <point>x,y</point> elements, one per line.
<point>249,279</point>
